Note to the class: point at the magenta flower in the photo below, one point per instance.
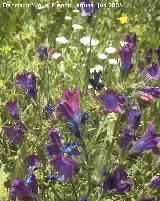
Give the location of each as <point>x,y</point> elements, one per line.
<point>152,72</point>
<point>127,137</point>
<point>149,140</point>
<point>13,133</point>
<point>32,162</point>
<point>69,105</point>
<point>31,181</point>
<point>118,181</point>
<point>11,105</point>
<point>153,91</point>
<point>155,181</point>
<point>19,190</point>
<point>87,8</point>
<point>111,101</point>
<point>134,117</point>
<point>131,39</point>
<point>125,53</point>
<point>28,82</point>
<point>64,166</point>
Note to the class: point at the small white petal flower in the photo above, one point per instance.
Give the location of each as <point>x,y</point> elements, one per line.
<point>97,68</point>
<point>61,40</point>
<point>102,56</point>
<point>77,27</point>
<point>56,55</point>
<point>68,18</point>
<point>86,41</point>
<point>110,50</point>
<point>112,61</point>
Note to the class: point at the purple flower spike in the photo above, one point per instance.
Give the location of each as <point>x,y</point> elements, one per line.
<point>19,190</point>
<point>127,137</point>
<point>64,166</point>
<point>111,101</point>
<point>69,105</point>
<point>149,140</point>
<point>153,91</point>
<point>48,110</point>
<point>158,53</point>
<point>149,55</point>
<point>95,81</point>
<point>148,199</point>
<point>118,181</point>
<point>51,149</point>
<point>13,134</point>
<point>87,8</point>
<point>28,81</point>
<point>54,134</point>
<point>156,181</point>
<point>131,38</point>
<point>12,106</point>
<point>152,72</point>
<point>134,117</point>
<point>125,53</point>
<point>31,182</point>
<point>32,162</point>
<point>42,51</point>
<point>70,148</point>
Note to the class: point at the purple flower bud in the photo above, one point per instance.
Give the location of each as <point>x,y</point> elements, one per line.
<point>134,117</point>
<point>64,166</point>
<point>87,8</point>
<point>54,134</point>
<point>31,182</point>
<point>48,110</point>
<point>148,199</point>
<point>13,134</point>
<point>42,51</point>
<point>95,81</point>
<point>70,148</point>
<point>84,117</point>
<point>155,181</point>
<point>53,177</point>
<point>152,72</point>
<point>111,101</point>
<point>158,54</point>
<point>82,199</point>
<point>12,106</point>
<point>153,91</point>
<point>125,53</point>
<point>51,149</point>
<point>28,82</point>
<point>131,39</point>
<point>32,162</point>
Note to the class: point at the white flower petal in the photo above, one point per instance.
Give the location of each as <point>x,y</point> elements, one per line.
<point>56,55</point>
<point>61,40</point>
<point>97,68</point>
<point>110,50</point>
<point>77,27</point>
<point>86,41</point>
<point>112,61</point>
<point>68,18</point>
<point>102,56</point>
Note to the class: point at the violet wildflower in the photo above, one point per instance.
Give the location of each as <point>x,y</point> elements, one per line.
<point>42,51</point>
<point>19,190</point>
<point>54,134</point>
<point>134,117</point>
<point>148,199</point>
<point>48,110</point>
<point>28,81</point>
<point>153,91</point>
<point>84,117</point>
<point>125,53</point>
<point>20,125</point>
<point>131,38</point>
<point>127,136</point>
<point>12,106</point>
<point>13,134</point>
<point>152,72</point>
<point>64,166</point>
<point>118,181</point>
<point>31,181</point>
<point>96,84</point>
<point>111,101</point>
<point>149,55</point>
<point>149,140</point>
<point>155,181</point>
<point>32,162</point>
<point>52,177</point>
<point>87,8</point>
<point>51,149</point>
<point>70,148</point>
<point>158,54</point>
<point>82,199</point>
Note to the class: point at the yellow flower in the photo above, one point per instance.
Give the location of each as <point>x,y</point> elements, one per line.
<point>123,19</point>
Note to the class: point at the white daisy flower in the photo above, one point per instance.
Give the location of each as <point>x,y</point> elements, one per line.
<point>110,50</point>
<point>86,41</point>
<point>97,68</point>
<point>61,40</point>
<point>67,18</point>
<point>56,55</point>
<point>102,56</point>
<point>77,27</point>
<point>112,61</point>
